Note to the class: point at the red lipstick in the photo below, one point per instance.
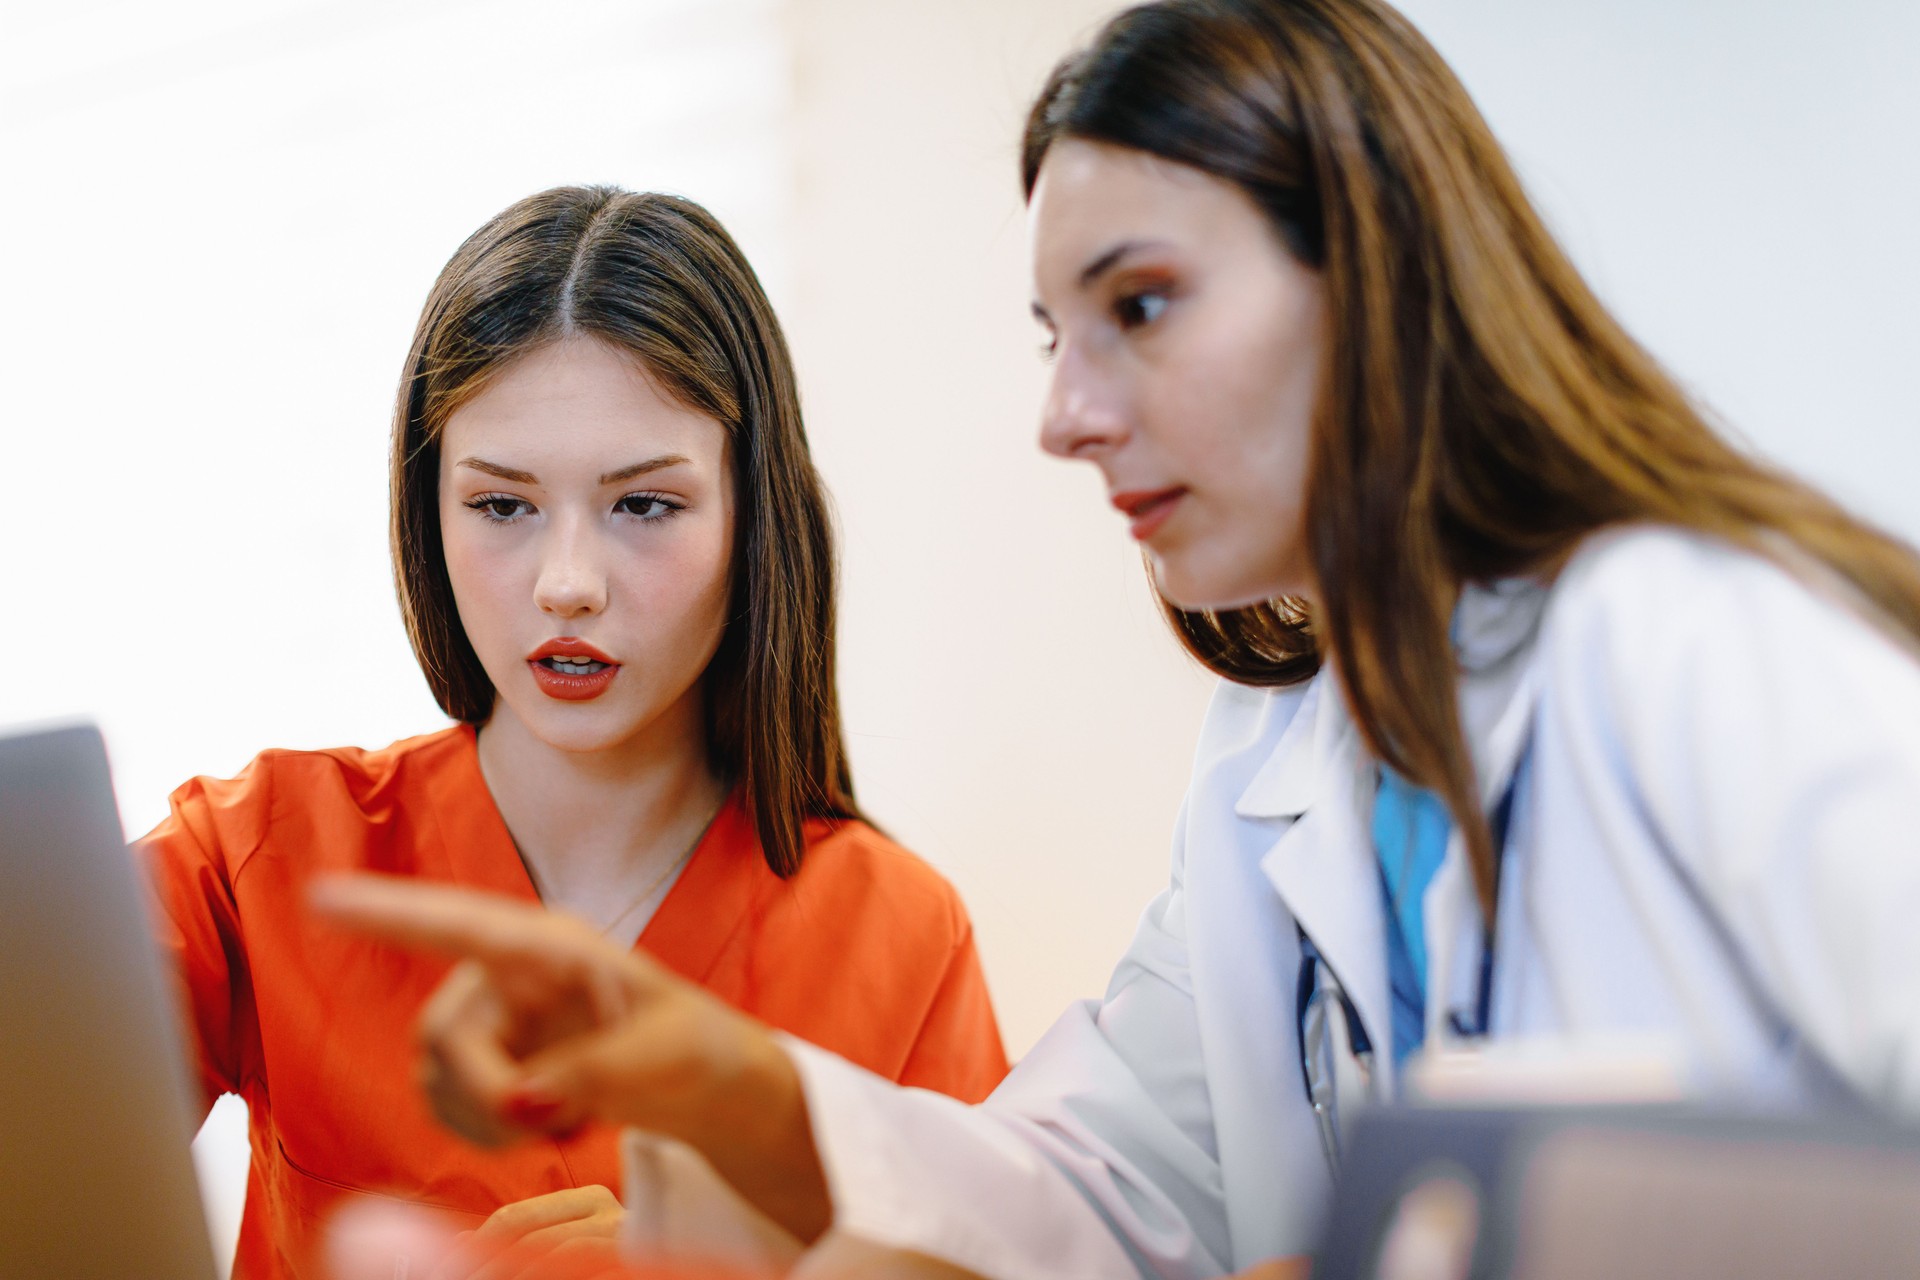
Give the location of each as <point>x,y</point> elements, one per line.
<point>1147,509</point>
<point>570,669</point>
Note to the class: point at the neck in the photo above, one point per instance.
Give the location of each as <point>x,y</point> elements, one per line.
<point>595,828</point>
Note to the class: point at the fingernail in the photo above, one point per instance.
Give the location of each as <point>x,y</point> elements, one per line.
<point>530,1113</point>
<point>534,1104</point>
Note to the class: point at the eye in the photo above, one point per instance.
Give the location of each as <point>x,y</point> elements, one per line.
<point>1049,335</point>
<point>648,506</point>
<point>1136,309</point>
<point>499,508</point>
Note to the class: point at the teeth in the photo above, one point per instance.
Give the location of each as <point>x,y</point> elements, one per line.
<point>576,666</point>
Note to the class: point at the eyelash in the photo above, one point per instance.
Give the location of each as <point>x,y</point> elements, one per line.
<point>486,505</point>
<point>1128,312</point>
<point>486,502</point>
<point>668,507</point>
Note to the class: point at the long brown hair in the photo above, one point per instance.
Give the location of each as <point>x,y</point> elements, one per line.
<point>655,276</point>
<point>1481,412</point>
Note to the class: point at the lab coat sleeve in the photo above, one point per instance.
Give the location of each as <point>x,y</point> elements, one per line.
<point>1095,1158</point>
<point>1770,736</point>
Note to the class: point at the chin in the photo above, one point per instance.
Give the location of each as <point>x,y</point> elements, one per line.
<point>1196,587</point>
<point>577,730</point>
<point>580,741</point>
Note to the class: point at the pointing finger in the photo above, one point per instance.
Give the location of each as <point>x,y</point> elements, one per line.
<point>495,930</point>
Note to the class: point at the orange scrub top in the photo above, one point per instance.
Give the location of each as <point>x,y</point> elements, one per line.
<point>866,951</point>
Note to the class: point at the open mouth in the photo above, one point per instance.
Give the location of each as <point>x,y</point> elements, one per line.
<point>570,669</point>
<point>575,666</point>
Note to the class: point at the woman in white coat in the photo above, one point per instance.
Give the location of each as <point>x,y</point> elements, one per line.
<point>1547,713</point>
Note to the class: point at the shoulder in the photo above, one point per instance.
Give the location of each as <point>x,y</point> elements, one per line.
<point>1647,595</point>
<point>1666,634</point>
<point>356,768</point>
<point>235,817</point>
<point>288,776</point>
<point>869,876</point>
<point>1649,570</point>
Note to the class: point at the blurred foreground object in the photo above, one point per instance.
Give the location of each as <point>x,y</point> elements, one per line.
<point>1539,1070</point>
<point>95,1111</point>
<point>371,1238</point>
<point>1606,1193</point>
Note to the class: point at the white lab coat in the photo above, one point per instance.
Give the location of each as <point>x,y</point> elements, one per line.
<point>1715,841</point>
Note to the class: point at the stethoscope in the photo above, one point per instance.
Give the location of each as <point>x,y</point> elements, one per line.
<point>1336,1054</point>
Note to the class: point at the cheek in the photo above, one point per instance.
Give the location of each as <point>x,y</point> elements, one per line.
<point>1256,422</point>
<point>684,586</point>
<point>1237,426</point>
<point>1225,428</point>
<point>476,571</point>
<point>716,575</point>
<point>717,566</point>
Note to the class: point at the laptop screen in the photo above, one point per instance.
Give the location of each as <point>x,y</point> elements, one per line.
<point>95,1098</point>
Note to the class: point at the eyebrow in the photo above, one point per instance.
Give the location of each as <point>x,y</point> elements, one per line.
<point>1113,257</point>
<point>611,477</point>
<point>1100,266</point>
<point>641,468</point>
<point>495,469</point>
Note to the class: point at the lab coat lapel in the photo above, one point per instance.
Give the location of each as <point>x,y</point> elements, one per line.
<point>1323,865</point>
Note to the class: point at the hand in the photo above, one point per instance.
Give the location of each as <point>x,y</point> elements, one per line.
<point>527,1237</point>
<point>544,1025</point>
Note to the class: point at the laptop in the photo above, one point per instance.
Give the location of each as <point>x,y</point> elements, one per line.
<point>96,1116</point>
<point>1603,1193</point>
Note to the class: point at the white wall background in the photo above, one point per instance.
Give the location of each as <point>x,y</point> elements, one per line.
<point>1740,179</point>
<point>223,216</point>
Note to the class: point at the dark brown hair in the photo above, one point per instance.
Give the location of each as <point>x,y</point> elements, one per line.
<point>657,277</point>
<point>1480,413</point>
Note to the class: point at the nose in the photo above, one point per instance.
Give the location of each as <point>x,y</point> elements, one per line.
<point>1082,416</point>
<point>573,580</point>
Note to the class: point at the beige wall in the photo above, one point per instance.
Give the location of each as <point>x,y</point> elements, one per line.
<point>1018,713</point>
<point>233,201</point>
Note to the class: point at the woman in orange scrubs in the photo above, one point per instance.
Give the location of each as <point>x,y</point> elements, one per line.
<point>615,567</point>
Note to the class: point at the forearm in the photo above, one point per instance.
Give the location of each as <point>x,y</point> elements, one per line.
<point>756,1134</point>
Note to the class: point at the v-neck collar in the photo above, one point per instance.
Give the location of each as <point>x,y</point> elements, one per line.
<point>714,897</point>
<point>709,902</point>
<point>1319,774</point>
<point>479,849</point>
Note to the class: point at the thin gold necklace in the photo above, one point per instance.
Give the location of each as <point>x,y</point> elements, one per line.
<point>672,867</point>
